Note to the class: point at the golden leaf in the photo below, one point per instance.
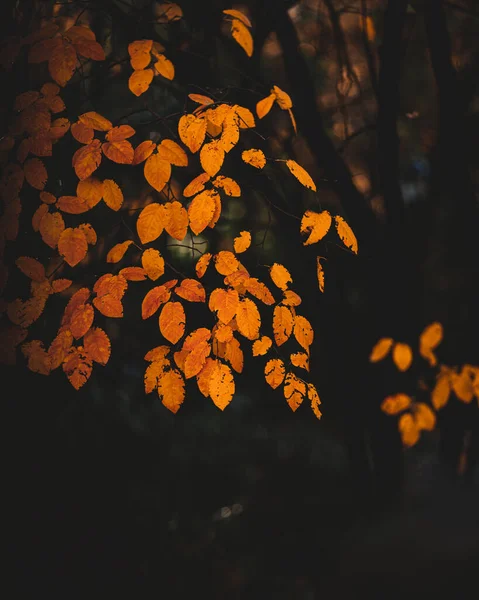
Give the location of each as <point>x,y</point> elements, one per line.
<point>424,416</point>
<point>230,134</point>
<point>192,131</point>
<point>157,171</point>
<point>291,298</point>
<point>402,356</point>
<point>204,376</point>
<point>381,349</point>
<point>120,133</point>
<point>176,220</point>
<point>294,391</point>
<point>78,298</point>
<point>87,159</point>
<point>72,245</point>
<point>243,36</point>
<point>191,290</point>
<point>201,210</point>
<point>254,157</point>
<point>261,346</point>
<point>51,226</point>
<point>264,106</point>
<point>274,371</point>
<point>31,267</point>
<point>200,99</point>
<point>320,273</point>
<point>212,156</point>
<point>97,344</point>
<point>171,389</point>
<point>202,334</point>
<point>229,186</point>
<point>315,400</point>
<point>282,324</point>
<point>238,15</point>
<point>81,320</point>
<point>139,52</point>
<point>139,81</point>
<point>196,359</point>
<point>429,339</point>
<point>62,63</point>
<point>442,389</point>
<point>202,264</point>
<point>59,348</point>
<point>293,120</point>
<point>300,360</point>
<point>133,273</point>
<point>143,151</point>
<point>221,386</point>
<point>226,262</point>
<point>242,242</point>
<point>153,372</point>
<point>196,185</point>
<point>157,354</point>
<point>120,152</point>
<point>259,290</point>
<point>109,306</point>
<point>234,354</point>
<point>95,121</point>
<point>408,430</point>
<point>396,403</point>
<point>153,263</point>
<point>77,366</point>
<point>173,153</point>
<point>150,223</point>
<point>462,384</point>
<point>112,194</point>
<point>118,252</point>
<point>225,303</point>
<point>164,67</point>
<point>73,205</point>
<point>280,276</point>
<point>153,300</point>
<point>303,332</point>
<point>38,358</point>
<point>245,117</point>
<point>316,225</point>
<point>172,321</point>
<point>301,174</point>
<point>222,332</point>
<point>248,319</point>
<point>217,212</point>
<point>346,234</point>
<point>91,190</point>
<point>282,98</point>
<point>114,285</point>
<point>35,173</point>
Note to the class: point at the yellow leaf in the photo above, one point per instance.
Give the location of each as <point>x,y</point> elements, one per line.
<point>230,134</point>
<point>139,52</point>
<point>381,349</point>
<point>258,289</point>
<point>392,405</point>
<point>294,391</point>
<point>316,225</point>
<point>242,35</point>
<point>225,303</point>
<point>153,300</point>
<point>282,324</point>
<point>234,354</point>
<point>300,360</point>
<point>201,210</point>
<point>192,131</point>
<point>196,359</point>
<point>120,133</point>
<point>462,384</point>
<point>221,386</point>
<point>274,371</point>
<point>153,263</point>
<point>172,321</point>
<point>176,220</point>
<point>264,106</point>
<point>346,234</point>
<point>223,333</point>
<point>217,212</point>
<point>191,290</point>
<point>226,262</point>
<point>196,185</point>
<point>139,81</point>
<point>95,121</point>
<point>429,339</point>
<point>408,430</point>
<point>254,157</point>
<point>143,151</point>
<point>238,15</point>
<point>164,67</point>
<point>202,334</point>
<point>280,276</point>
<point>282,98</point>
<point>72,245</point>
<point>150,223</point>
<point>157,354</point>
<point>320,273</point>
<point>402,356</point>
<point>242,242</point>
<point>171,389</point>
<point>424,416</point>
<point>293,120</point>
<point>442,389</point>
<point>112,194</point>
<point>133,273</point>
<point>153,372</point>
<point>245,117</point>
<point>202,264</point>
<point>291,298</point>
<point>248,319</point>
<point>303,332</point>
<point>315,400</point>
<point>157,171</point>
<point>301,174</point>
<point>229,186</point>
<point>204,376</point>
<point>118,252</point>
<point>212,156</point>
<point>261,346</point>
<point>87,159</point>
<point>173,153</point>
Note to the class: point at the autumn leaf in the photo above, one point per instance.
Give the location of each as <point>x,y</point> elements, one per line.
<point>462,385</point>
<point>72,245</point>
<point>97,345</point>
<point>225,303</point>
<point>301,174</point>
<point>153,300</point>
<point>77,366</point>
<point>196,185</point>
<point>202,264</point>
<point>392,405</point>
<point>35,173</point>
<point>242,242</point>
<point>119,152</point>
<point>109,306</point>
<point>150,223</point>
<point>226,262</point>
<point>259,290</point>
<point>212,156</point>
<point>248,319</point>
<point>229,186</point>
<point>192,131</point>
<point>346,234</point>
<point>157,172</point>
<point>73,205</point>
<point>133,273</point>
<point>139,52</point>
<point>282,324</point>
<point>429,339</point>
<point>236,14</point>
<point>172,321</point>
<point>59,348</point>
<point>402,356</point>
<point>120,133</point>
<point>118,251</point>
<point>202,334</point>
<point>316,225</point>
<point>143,151</point>
<point>38,358</point>
<point>201,210</point>
<point>95,121</point>
<point>242,35</point>
<point>254,157</point>
<point>442,390</point>
<point>112,194</point>
<point>139,81</point>
<point>201,99</point>
<point>424,416</point>
<point>294,391</point>
<point>191,290</point>
<point>82,133</point>
<point>300,360</point>
<point>62,62</point>
<point>260,347</point>
<point>280,276</point>
<point>221,386</point>
<point>164,67</point>
<point>60,285</point>
<point>274,371</point>
<point>204,376</point>
<point>320,273</point>
<point>91,190</point>
<point>176,220</point>
<point>81,320</point>
<point>408,430</point>
<point>153,263</point>
<point>303,332</point>
<point>264,106</point>
<point>291,298</point>
<point>51,227</point>
<point>87,159</point>
<point>196,359</point>
<point>31,267</point>
<point>381,349</point>
<point>173,153</point>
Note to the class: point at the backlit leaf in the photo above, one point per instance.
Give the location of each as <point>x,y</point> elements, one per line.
<point>282,324</point>
<point>51,227</point>
<point>316,225</point>
<point>77,366</point>
<point>282,98</point>
<point>280,276</point>
<point>143,151</point>
<point>120,133</point>
<point>112,194</point>
<point>226,262</point>
<point>191,290</point>
<point>238,15</point>
<point>60,285</point>
<point>245,117</point>
<point>73,205</point>
<point>47,198</point>
<point>291,298</point>
<point>87,159</point>
<point>164,67</point>
<point>72,245</point>
<point>95,121</point>
<point>204,376</point>
<point>261,346</point>
<point>97,344</point>
<point>300,360</point>
<point>139,52</point>
<point>202,264</point>
<point>171,389</point>
<point>91,189</point>
<point>62,63</point>
<point>274,372</point>
<point>150,223</point>
<point>294,391</point>
<point>320,273</point>
<point>192,131</point>
<point>222,386</point>
<point>212,156</point>
<point>242,35</point>
<point>133,273</point>
<point>157,172</point>
<point>222,332</point>
<point>264,106</point>
<point>408,429</point>
<point>248,319</point>
<point>109,306</point>
<point>38,359</point>
<point>196,359</point>
<point>59,348</point>
<point>258,289</point>
<point>89,49</point>
<point>201,210</point>
<point>120,152</point>
<point>153,300</point>
<point>346,234</point>
<point>118,251</point>
<point>225,303</point>
<point>202,334</point>
<point>442,390</point>
<point>242,242</point>
<point>402,356</point>
<point>35,173</point>
<point>301,174</point>
<point>139,81</point>
<point>153,263</point>
<point>429,339</point>
<point>81,320</point>
<point>196,185</point>
<point>303,332</point>
<point>392,405</point>
<point>424,416</point>
<point>201,99</point>
<point>381,349</point>
<point>315,400</point>
<point>229,186</point>
<point>462,385</point>
<point>176,220</point>
<point>173,153</point>
<point>254,157</point>
<point>234,354</point>
<point>172,321</point>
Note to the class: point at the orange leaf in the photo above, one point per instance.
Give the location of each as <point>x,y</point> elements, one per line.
<point>114,285</point>
<point>291,298</point>
<point>242,242</point>
<point>139,81</point>
<point>230,134</point>
<point>258,289</point>
<point>89,232</point>
<point>204,376</point>
<point>245,117</point>
<point>153,263</point>
<point>200,99</point>
<point>139,52</point>
<point>223,333</point>
<point>225,303</point>
<point>381,349</point>
<point>442,389</point>
<point>424,416</point>
<point>264,106</point>
<point>89,49</point>
<point>87,159</point>
<point>234,355</point>
<point>60,285</point>
<point>254,157</point>
<point>217,212</point>
<point>172,321</point>
<point>171,389</point>
<point>238,15</point>
<point>402,356</point>
<point>191,290</point>
<point>133,273</point>
<point>201,210</point>
<point>40,144</point>
<point>212,156</point>
<point>77,366</point>
<point>315,400</point>
<point>280,276</point>
<point>157,354</point>
<point>196,359</point>
<point>97,344</point>
<point>78,298</point>
<point>274,371</point>
<point>72,245</point>
<point>73,205</point>
<point>222,386</point>
<point>226,262</point>
<point>282,98</point>
<point>47,198</point>
<point>109,306</point>
<point>59,348</point>
<point>176,220</point>
<point>192,131</point>
<point>62,63</point>
<point>392,405</point>
<point>346,234</point>
<point>429,339</point>
<point>316,225</point>
<point>150,223</point>
<point>143,151</point>
<point>120,133</point>
<point>153,300</point>
<point>51,227</point>
<point>153,372</point>
<point>79,32</point>
<point>81,320</point>
<point>294,391</point>
<point>202,264</point>
<point>261,346</point>
<point>300,360</point>
<point>408,430</point>
<point>229,186</point>
<point>196,185</point>
<point>320,273</point>
<point>82,133</point>
<point>157,172</point>
<point>242,35</point>
<point>59,128</point>
<point>248,319</point>
<point>95,121</point>
<point>195,337</point>
<point>303,332</point>
<point>35,173</point>
<point>120,152</point>
<point>164,67</point>
<point>91,189</point>
<point>118,252</point>
<point>31,268</point>
<point>38,359</point>
<point>301,175</point>
<point>282,324</point>
<point>173,153</point>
